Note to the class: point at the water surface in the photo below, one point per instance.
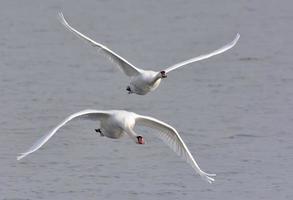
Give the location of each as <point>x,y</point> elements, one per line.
<point>234,111</point>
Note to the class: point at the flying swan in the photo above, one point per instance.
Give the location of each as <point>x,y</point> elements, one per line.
<point>116,123</point>
<point>143,81</point>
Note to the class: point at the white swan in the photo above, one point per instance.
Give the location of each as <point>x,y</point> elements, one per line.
<point>116,123</point>
<point>143,81</point>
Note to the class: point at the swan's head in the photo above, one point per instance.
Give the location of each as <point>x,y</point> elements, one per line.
<point>140,140</point>
<point>163,74</point>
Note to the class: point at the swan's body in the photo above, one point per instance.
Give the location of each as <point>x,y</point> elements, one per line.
<point>142,81</point>
<point>116,123</point>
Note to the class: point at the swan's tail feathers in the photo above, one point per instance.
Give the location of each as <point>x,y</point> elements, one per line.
<point>208,177</point>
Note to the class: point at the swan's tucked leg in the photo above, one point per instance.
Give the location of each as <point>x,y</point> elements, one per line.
<point>99,131</point>
<point>129,90</point>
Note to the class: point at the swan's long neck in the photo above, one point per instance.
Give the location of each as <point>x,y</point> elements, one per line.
<point>131,134</point>
<point>157,77</point>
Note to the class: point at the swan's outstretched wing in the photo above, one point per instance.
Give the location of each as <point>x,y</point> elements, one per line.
<point>124,65</point>
<point>172,138</point>
<point>90,114</point>
<point>205,56</point>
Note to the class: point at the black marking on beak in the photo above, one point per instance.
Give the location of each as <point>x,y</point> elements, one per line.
<point>140,140</point>
<point>164,75</point>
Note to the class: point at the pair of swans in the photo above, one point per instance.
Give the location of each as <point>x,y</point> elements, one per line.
<point>116,123</point>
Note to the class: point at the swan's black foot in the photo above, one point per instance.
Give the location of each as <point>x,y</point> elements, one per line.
<point>99,131</point>
<point>128,89</point>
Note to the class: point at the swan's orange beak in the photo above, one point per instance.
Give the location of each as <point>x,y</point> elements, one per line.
<point>140,140</point>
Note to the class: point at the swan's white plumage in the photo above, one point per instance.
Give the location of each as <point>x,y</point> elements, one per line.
<point>171,137</point>
<point>122,63</point>
<point>205,56</point>
<point>140,82</point>
<point>94,114</point>
<point>125,121</point>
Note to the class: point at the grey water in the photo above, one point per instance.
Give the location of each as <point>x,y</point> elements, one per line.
<point>235,110</point>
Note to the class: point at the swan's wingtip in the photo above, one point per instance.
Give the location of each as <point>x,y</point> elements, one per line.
<point>21,156</point>
<point>208,177</point>
<point>60,14</point>
<point>238,36</point>
<point>61,17</point>
<point>211,175</point>
<point>210,180</point>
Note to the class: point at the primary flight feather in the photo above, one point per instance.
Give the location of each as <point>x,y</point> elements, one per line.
<point>143,81</point>
<point>116,123</point>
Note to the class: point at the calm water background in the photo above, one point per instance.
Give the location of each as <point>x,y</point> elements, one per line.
<point>234,111</point>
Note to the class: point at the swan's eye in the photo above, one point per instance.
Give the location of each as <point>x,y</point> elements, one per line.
<point>163,73</point>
